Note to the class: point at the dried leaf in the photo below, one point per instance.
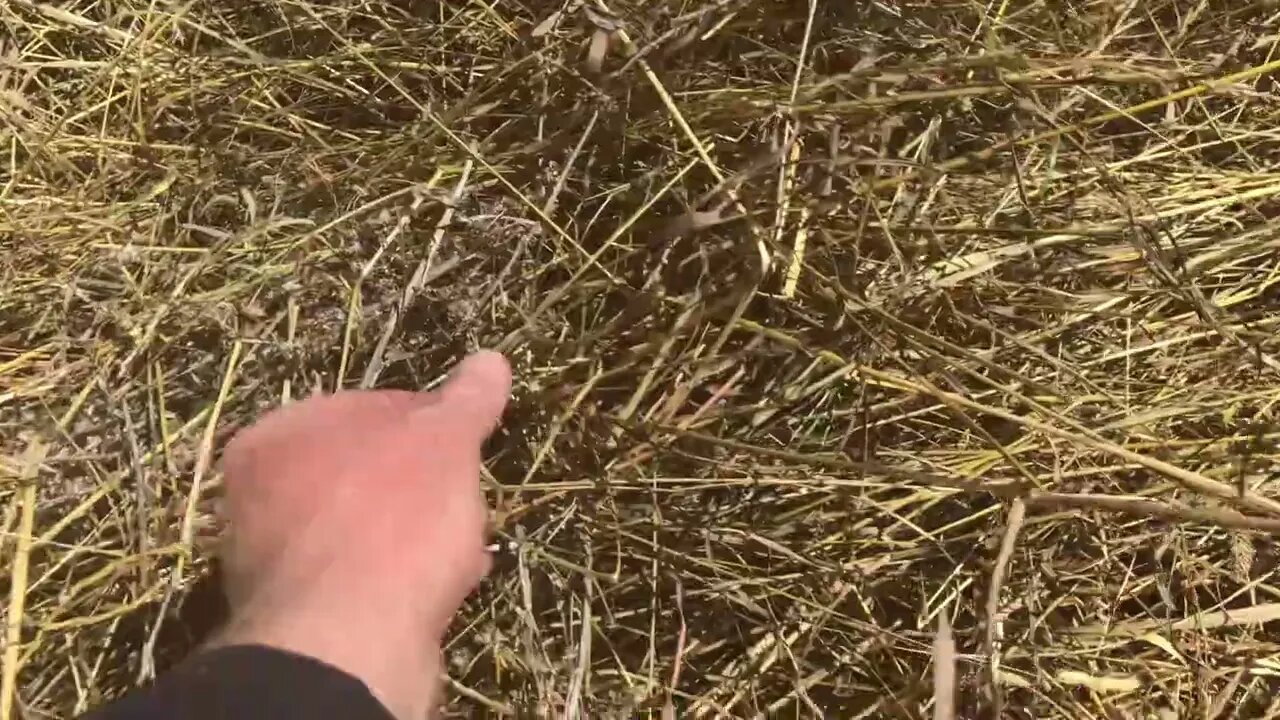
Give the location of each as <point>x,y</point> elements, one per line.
<point>944,671</point>
<point>1163,643</point>
<point>1101,684</point>
<point>1006,677</point>
<point>1208,620</point>
<point>601,20</point>
<point>599,48</point>
<point>14,99</point>
<point>547,25</point>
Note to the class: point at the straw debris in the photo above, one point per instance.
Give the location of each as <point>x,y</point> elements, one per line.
<point>834,323</point>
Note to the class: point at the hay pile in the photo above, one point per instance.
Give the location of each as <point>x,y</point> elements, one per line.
<point>830,320</point>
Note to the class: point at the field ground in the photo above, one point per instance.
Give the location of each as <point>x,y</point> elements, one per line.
<point>830,320</point>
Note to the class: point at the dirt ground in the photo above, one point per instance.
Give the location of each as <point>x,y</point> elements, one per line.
<point>831,321</point>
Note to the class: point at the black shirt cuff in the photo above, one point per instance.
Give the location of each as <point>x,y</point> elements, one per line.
<point>245,683</point>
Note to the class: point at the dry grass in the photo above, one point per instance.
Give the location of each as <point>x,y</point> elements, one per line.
<point>835,323</point>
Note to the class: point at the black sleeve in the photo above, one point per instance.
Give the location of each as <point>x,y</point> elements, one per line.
<point>247,683</point>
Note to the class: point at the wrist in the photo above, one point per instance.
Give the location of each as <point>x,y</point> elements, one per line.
<point>395,659</point>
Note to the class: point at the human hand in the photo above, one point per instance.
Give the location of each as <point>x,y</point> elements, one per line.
<point>357,527</point>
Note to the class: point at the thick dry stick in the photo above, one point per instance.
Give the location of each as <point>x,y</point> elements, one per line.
<point>1079,434</point>
<point>1128,504</point>
<point>944,670</point>
<point>836,462</point>
<point>1191,480</point>
<point>28,498</point>
<point>1017,514</point>
<point>1142,507</point>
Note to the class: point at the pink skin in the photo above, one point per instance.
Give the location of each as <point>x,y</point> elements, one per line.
<point>357,528</point>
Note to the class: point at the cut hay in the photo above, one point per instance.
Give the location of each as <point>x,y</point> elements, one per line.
<point>804,299</point>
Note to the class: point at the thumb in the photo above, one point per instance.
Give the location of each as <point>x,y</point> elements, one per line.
<point>474,396</point>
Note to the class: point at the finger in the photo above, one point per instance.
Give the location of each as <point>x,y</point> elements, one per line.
<point>473,398</point>
<point>320,413</point>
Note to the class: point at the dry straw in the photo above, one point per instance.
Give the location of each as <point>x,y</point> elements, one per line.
<point>835,324</point>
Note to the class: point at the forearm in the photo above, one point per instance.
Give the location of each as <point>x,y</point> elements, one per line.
<point>367,630</point>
